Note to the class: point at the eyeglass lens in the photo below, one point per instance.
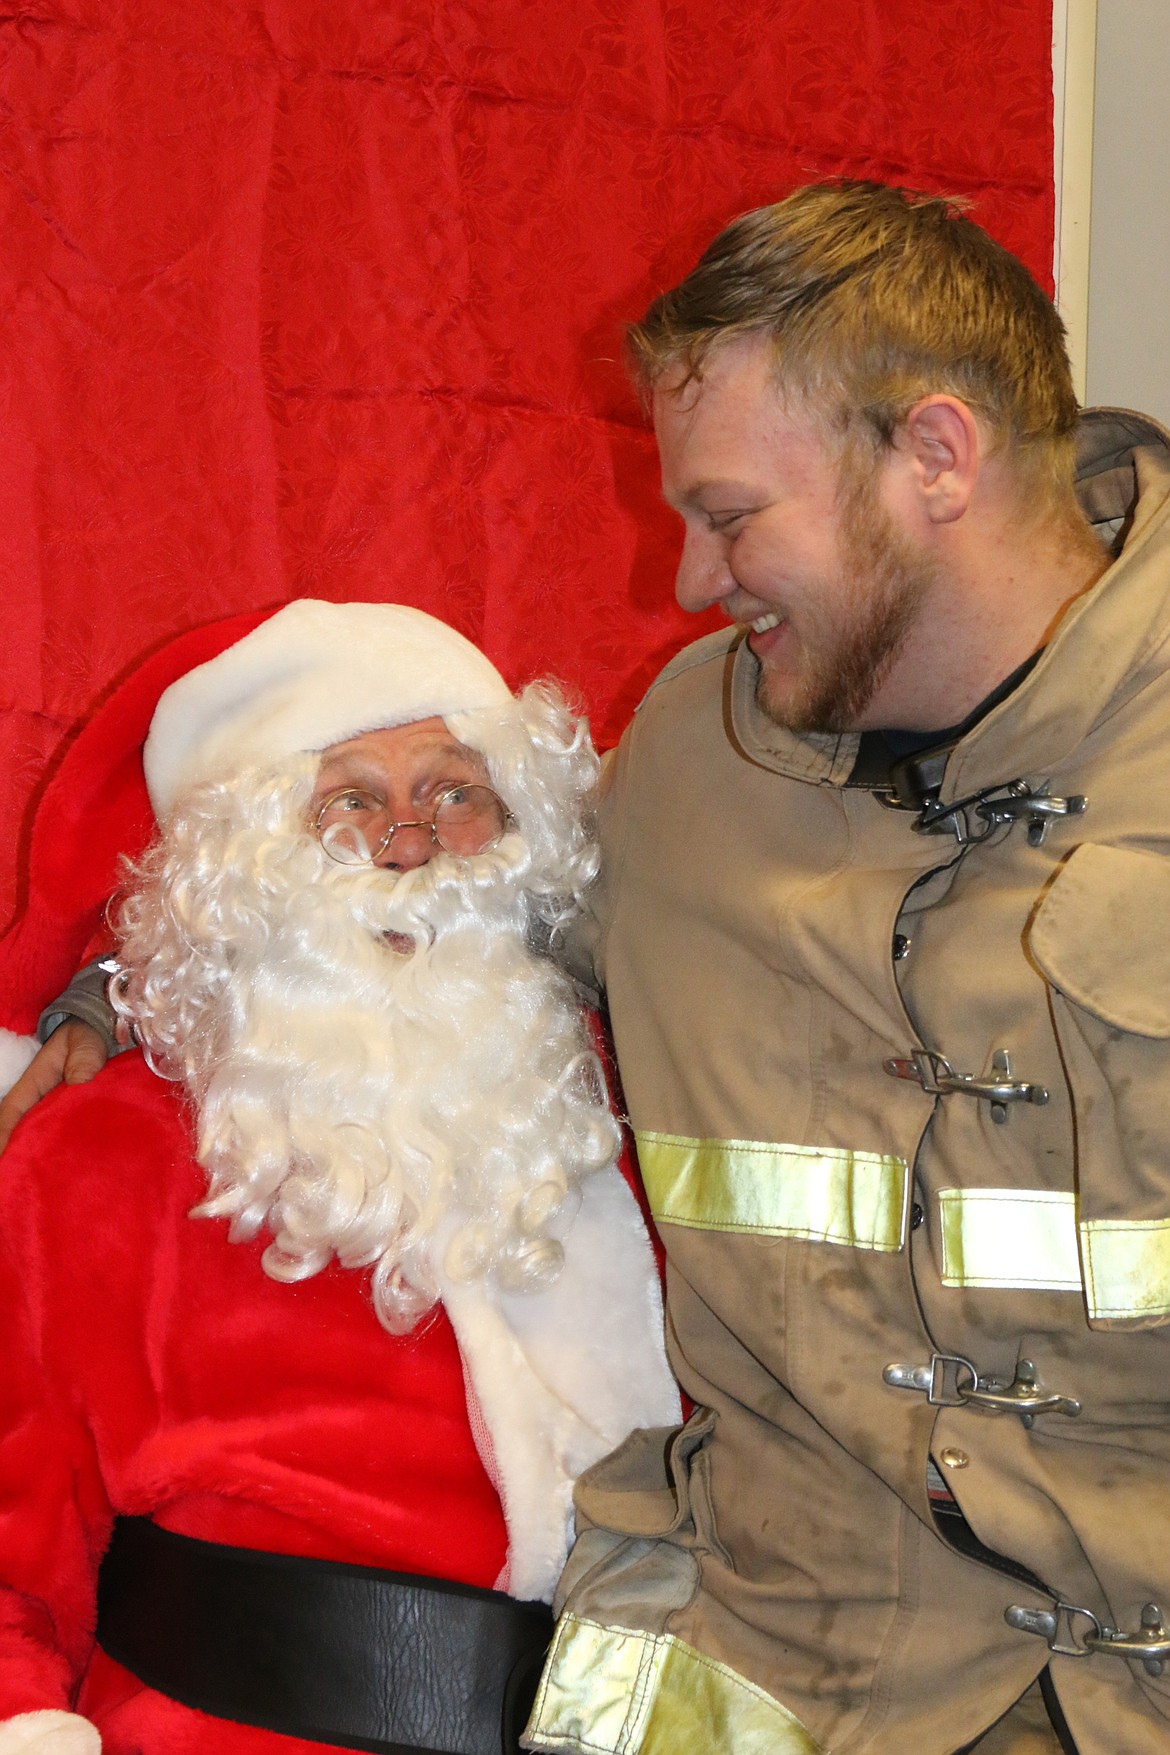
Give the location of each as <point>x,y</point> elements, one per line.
<point>354,826</point>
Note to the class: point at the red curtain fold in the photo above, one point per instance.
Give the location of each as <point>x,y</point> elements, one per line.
<point>326,299</point>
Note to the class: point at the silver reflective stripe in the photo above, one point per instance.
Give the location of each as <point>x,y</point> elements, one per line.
<point>1009,1237</point>
<point>820,1194</point>
<point>1030,1238</point>
<point>617,1691</point>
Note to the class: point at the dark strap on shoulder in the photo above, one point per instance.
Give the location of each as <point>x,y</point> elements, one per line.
<point>343,1655</point>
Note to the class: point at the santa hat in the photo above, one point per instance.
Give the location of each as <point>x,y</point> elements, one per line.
<point>314,675</point>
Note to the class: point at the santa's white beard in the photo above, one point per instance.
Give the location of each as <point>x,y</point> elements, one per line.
<point>389,1108</point>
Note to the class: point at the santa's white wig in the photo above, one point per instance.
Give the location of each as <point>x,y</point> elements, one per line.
<point>417,1110</point>
<point>540,759</point>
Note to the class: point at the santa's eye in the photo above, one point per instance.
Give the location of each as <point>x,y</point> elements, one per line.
<point>351,803</point>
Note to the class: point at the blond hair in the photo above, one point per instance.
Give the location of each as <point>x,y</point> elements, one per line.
<point>873,297</point>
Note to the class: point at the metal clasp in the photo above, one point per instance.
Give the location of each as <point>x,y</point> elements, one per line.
<point>1025,1396</point>
<point>941,1381</point>
<point>938,1381</point>
<point>1150,1646</point>
<point>938,1078</point>
<point>1055,1627</point>
<point>1037,808</point>
<point>992,807</point>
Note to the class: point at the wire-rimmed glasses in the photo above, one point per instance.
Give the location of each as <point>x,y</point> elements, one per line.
<point>354,827</point>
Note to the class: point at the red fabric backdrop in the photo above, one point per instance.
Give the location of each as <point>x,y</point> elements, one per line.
<point>324,297</point>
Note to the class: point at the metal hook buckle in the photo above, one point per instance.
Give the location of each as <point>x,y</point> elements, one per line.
<point>938,1078</point>
<point>1055,1627</point>
<point>1037,808</point>
<point>1149,1646</point>
<point>1025,1395</point>
<point>938,1381</point>
<point>941,1381</point>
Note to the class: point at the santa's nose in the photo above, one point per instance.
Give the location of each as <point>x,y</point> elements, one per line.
<point>411,845</point>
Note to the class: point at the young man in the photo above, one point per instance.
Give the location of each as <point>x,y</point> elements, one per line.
<point>883,928</point>
<point>313,1310</point>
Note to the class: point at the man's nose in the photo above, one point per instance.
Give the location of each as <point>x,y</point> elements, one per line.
<point>704,576</point>
<point>411,845</point>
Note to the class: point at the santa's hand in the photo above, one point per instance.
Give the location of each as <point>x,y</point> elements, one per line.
<point>49,1733</point>
<point>72,1055</point>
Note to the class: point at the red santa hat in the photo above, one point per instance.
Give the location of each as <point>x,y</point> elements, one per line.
<point>314,675</point>
<point>253,687</point>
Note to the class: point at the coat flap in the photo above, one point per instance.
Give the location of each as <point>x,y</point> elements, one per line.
<point>1101,936</point>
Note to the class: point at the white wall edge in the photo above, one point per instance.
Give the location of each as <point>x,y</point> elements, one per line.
<point>1074,59</point>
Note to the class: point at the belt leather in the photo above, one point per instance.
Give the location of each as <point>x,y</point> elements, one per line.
<point>349,1656</point>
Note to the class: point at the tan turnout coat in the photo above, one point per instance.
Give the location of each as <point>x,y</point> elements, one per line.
<point>780,1584</point>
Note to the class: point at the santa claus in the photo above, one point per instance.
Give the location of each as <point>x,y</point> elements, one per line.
<point>314,1309</point>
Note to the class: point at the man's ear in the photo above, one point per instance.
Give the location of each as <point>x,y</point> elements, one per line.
<point>940,441</point>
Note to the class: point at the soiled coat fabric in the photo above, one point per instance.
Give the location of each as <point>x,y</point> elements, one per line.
<point>782,1585</point>
<point>151,1368</point>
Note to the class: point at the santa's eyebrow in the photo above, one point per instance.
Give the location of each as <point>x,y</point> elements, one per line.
<point>436,761</point>
<point>362,772</point>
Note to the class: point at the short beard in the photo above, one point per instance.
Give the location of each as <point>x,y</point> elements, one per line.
<point>423,1113</point>
<point>889,580</point>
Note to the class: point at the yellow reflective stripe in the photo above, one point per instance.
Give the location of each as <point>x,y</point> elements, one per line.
<point>1010,1237</point>
<point>622,1692</point>
<point>818,1193</point>
<point>1127,1267</point>
<point>1027,1238</point>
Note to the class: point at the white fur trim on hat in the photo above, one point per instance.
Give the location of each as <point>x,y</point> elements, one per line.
<point>313,675</point>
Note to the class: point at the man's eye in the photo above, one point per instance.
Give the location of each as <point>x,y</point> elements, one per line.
<point>724,520</point>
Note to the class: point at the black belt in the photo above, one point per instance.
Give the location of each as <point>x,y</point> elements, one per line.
<point>336,1654</point>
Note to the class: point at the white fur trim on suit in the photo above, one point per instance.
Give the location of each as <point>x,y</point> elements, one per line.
<point>312,675</point>
<point>49,1733</point>
<point>15,1054</point>
<point>562,1376</point>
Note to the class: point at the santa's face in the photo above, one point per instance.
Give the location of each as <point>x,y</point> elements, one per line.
<point>408,769</point>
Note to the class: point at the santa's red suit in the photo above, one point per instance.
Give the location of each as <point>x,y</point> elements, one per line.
<point>150,1367</point>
